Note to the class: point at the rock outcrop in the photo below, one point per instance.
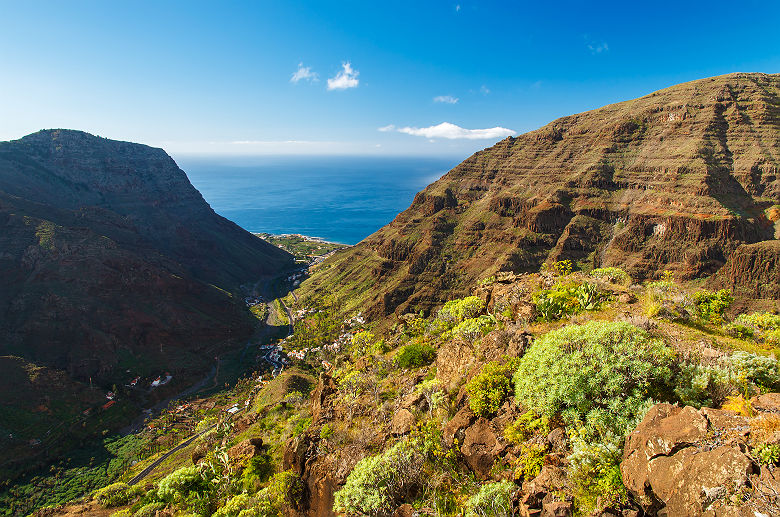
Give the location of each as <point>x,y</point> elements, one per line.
<point>675,180</point>
<point>683,461</point>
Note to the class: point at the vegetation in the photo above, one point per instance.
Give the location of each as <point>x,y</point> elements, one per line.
<point>377,483</point>
<point>611,274</point>
<point>488,389</point>
<point>601,374</point>
<point>565,299</point>
<point>492,500</point>
<point>415,355</point>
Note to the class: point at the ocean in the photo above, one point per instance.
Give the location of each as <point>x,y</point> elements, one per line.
<point>339,199</point>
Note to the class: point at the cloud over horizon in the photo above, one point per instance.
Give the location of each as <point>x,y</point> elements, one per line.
<point>304,73</point>
<point>345,79</point>
<point>446,99</point>
<point>452,132</point>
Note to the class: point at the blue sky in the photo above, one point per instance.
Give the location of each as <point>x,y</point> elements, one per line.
<point>218,77</point>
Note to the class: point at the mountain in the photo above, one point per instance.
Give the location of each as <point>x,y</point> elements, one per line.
<point>112,266</point>
<point>678,180</point>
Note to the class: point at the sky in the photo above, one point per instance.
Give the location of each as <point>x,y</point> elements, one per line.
<point>354,78</point>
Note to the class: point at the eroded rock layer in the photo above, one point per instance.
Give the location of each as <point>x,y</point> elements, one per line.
<point>675,180</point>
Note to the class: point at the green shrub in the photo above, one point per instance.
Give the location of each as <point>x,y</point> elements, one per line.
<point>489,388</point>
<point>710,306</point>
<point>378,483</point>
<point>768,453</point>
<point>759,320</point>
<point>258,471</point>
<point>362,343</point>
<point>149,510</point>
<point>760,370</point>
<point>594,470</point>
<point>125,512</point>
<point>415,355</point>
<point>492,500</point>
<point>117,494</point>
<point>244,505</point>
<point>301,425</point>
<point>566,299</point>
<point>613,275</point>
<point>604,374</point>
<point>530,461</point>
<point>326,431</point>
<point>739,331</point>
<point>474,328</point>
<point>700,386</point>
<point>455,311</point>
<point>524,427</point>
<point>180,483</point>
<point>560,268</point>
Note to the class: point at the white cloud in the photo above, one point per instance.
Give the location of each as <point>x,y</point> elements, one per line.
<point>347,78</point>
<point>484,90</point>
<point>453,132</point>
<point>446,99</point>
<point>598,48</point>
<point>304,73</point>
<point>457,8</point>
<point>384,129</point>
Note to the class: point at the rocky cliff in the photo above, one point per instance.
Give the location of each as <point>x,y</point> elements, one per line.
<point>678,180</point>
<point>113,266</point>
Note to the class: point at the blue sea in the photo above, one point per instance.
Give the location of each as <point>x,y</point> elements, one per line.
<point>339,199</point>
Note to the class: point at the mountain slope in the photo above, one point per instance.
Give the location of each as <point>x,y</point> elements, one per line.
<point>113,266</point>
<point>678,179</point>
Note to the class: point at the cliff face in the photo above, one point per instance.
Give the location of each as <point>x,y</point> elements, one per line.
<point>110,261</point>
<point>676,180</point>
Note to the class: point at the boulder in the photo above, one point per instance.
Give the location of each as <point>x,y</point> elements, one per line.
<point>402,423</point>
<point>321,406</point>
<point>245,450</point>
<point>680,461</point>
<point>455,428</point>
<point>479,448</point>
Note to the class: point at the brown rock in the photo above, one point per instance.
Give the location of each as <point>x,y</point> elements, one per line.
<point>557,509</point>
<point>627,298</point>
<point>405,510</point>
<point>321,407</point>
<point>768,402</point>
<point>402,423</point>
<point>674,462</point>
<point>478,448</point>
<point>455,428</point>
<point>244,451</point>
<point>557,439</point>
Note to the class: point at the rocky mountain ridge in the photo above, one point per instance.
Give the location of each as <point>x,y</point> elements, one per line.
<point>113,267</point>
<point>676,180</point>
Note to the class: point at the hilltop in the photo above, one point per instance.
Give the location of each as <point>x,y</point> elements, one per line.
<point>113,267</point>
<point>677,180</point>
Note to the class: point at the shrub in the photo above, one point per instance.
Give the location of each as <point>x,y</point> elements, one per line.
<point>701,386</point>
<point>489,388</point>
<point>125,512</point>
<point>595,472</point>
<point>243,505</point>
<point>474,328</point>
<point>759,320</point>
<point>301,425</point>
<point>613,275</point>
<point>377,483</point>
<point>566,299</point>
<point>602,373</point>
<point>180,483</point>
<point>117,494</point>
<point>492,500</point>
<point>149,510</point>
<point>739,331</point>
<point>710,306</point>
<point>560,268</point>
<point>530,461</point>
<point>760,370</point>
<point>415,355</point>
<point>527,425</point>
<point>455,311</point>
<point>326,431</point>
<point>361,343</point>
<point>768,453</point>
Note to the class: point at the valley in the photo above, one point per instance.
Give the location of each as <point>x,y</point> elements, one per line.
<point>583,320</point>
